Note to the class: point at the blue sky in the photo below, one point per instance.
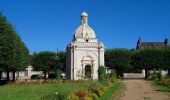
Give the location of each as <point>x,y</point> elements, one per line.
<point>50,24</point>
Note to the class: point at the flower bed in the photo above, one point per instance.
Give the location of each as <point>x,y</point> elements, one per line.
<point>95,91</point>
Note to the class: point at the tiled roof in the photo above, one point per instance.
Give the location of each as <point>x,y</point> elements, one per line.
<point>152,45</point>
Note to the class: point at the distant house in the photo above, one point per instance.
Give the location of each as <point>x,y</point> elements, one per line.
<point>142,45</point>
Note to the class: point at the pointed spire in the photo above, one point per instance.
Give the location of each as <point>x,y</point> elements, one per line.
<point>84,17</point>
<point>138,43</point>
<point>166,41</point>
<point>139,40</point>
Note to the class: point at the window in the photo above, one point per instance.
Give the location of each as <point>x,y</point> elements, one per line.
<point>87,40</point>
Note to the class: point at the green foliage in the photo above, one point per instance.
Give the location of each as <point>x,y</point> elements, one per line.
<point>102,73</point>
<point>44,61</point>
<point>73,97</point>
<point>13,52</point>
<point>166,59</point>
<point>152,58</point>
<point>163,85</point>
<point>47,61</point>
<point>123,60</point>
<point>58,74</point>
<point>91,96</point>
<point>61,59</point>
<point>156,75</point>
<point>148,59</point>
<point>113,74</point>
<point>118,59</point>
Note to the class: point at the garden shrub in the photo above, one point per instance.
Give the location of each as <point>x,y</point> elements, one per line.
<point>95,90</point>
<point>91,96</point>
<point>83,95</point>
<point>156,75</point>
<point>159,75</point>
<point>102,73</point>
<point>58,74</point>
<point>94,96</point>
<point>113,74</point>
<point>164,82</point>
<point>73,97</point>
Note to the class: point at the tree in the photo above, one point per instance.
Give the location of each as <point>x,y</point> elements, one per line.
<point>118,59</point>
<point>13,52</point>
<point>61,59</point>
<point>148,59</point>
<point>44,61</point>
<point>7,45</point>
<point>166,59</point>
<point>20,57</point>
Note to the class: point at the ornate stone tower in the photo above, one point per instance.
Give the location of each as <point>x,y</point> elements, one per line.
<point>84,54</point>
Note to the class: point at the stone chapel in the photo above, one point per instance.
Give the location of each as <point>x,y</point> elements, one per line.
<point>85,53</point>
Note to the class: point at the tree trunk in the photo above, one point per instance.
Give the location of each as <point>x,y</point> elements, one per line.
<point>48,75</point>
<point>13,76</point>
<point>168,71</point>
<point>0,75</point>
<point>7,77</point>
<point>146,74</point>
<point>45,74</point>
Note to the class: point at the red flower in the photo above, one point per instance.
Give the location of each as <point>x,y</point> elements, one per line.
<point>80,94</point>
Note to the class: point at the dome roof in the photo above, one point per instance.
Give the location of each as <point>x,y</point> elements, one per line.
<point>84,30</point>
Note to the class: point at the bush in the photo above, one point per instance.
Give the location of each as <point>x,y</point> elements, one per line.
<point>156,75</point>
<point>102,73</point>
<point>91,96</point>
<point>159,75</point>
<point>36,76</point>
<point>113,74</point>
<point>73,97</point>
<point>83,95</point>
<point>58,74</point>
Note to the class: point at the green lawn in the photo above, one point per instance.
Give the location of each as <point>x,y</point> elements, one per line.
<point>112,91</point>
<point>35,91</point>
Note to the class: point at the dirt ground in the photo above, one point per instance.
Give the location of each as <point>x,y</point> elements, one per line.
<point>141,90</point>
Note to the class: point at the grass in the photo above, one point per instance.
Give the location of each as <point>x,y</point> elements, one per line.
<point>159,87</point>
<point>35,91</point>
<point>112,91</point>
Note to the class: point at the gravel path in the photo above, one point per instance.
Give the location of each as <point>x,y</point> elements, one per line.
<point>141,90</point>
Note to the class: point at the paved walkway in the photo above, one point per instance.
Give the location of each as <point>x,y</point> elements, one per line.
<point>141,90</point>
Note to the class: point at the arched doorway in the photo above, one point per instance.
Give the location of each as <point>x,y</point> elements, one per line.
<point>88,71</point>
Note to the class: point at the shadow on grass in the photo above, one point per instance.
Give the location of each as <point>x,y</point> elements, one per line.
<point>3,82</point>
